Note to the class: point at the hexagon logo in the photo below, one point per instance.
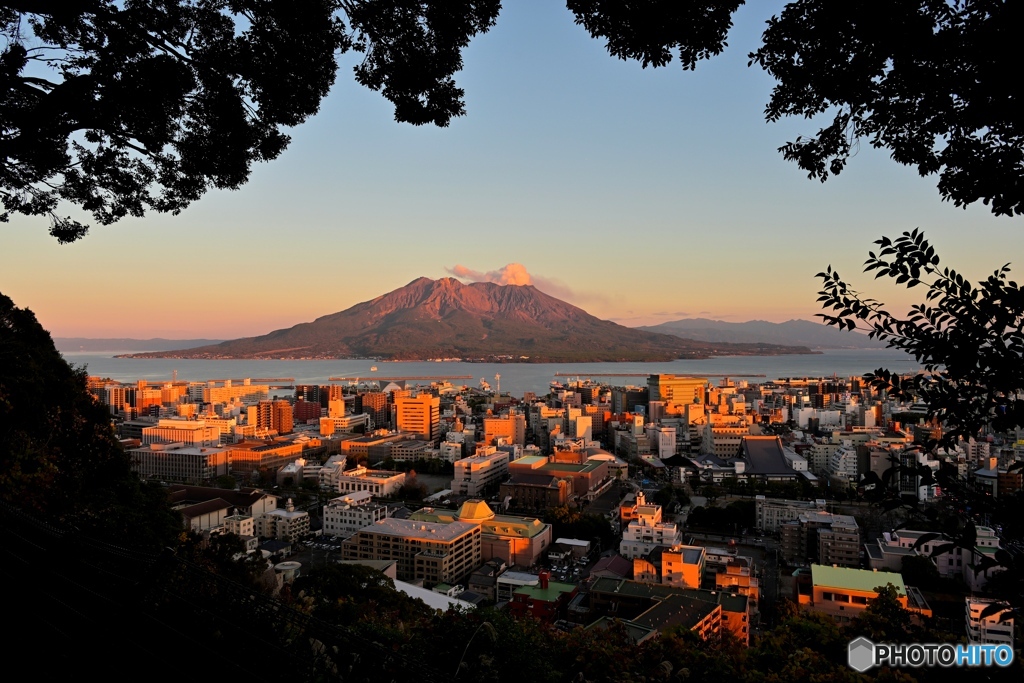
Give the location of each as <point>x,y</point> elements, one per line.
<point>861,655</point>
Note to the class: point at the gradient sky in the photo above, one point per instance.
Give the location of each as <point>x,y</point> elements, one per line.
<point>640,195</point>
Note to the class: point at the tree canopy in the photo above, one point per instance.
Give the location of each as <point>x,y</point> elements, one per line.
<point>970,339</point>
<point>123,107</point>
<point>59,457</point>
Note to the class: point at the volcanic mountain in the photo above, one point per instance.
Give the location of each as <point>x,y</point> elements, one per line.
<point>481,321</point>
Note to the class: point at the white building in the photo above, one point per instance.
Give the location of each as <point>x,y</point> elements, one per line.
<point>842,464</point>
<point>244,527</point>
<point>299,471</point>
<point>338,424</point>
<point>473,475</point>
<point>663,439</point>
<point>994,629</point>
<point>954,563</point>
<point>647,531</point>
<point>796,462</point>
<point>285,524</point>
<point>176,462</point>
<point>188,432</point>
<point>345,515</point>
<point>450,451</point>
<point>771,513</point>
<point>380,483</point>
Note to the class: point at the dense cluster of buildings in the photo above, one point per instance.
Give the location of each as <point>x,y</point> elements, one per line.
<point>512,460</point>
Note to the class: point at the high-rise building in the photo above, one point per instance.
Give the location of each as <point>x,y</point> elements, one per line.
<point>676,391</point>
<point>374,404</point>
<point>420,415</point>
<point>272,416</point>
<point>306,410</point>
<point>307,392</point>
<point>511,427</point>
<point>283,419</point>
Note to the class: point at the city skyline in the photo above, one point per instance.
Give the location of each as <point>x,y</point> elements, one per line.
<point>640,195</point>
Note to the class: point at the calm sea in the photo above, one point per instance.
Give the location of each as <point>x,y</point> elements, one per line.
<point>515,377</point>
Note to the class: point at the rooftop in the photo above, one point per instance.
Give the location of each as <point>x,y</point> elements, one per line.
<point>764,456</point>
<point>635,631</point>
<point>676,610</point>
<point>550,594</point>
<point>408,528</point>
<point>855,579</point>
<point>530,460</point>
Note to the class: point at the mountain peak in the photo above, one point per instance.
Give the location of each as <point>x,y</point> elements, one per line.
<point>447,318</point>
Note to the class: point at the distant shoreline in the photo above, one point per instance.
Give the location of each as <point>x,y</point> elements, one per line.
<point>491,360</point>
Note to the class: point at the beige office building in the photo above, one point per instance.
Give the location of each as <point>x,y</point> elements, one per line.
<point>676,391</point>
<point>186,432</point>
<point>428,551</point>
<point>420,415</point>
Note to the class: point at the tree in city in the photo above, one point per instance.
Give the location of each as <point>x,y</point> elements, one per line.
<point>117,108</point>
<point>412,489</point>
<point>226,481</point>
<point>968,338</point>
<point>668,495</point>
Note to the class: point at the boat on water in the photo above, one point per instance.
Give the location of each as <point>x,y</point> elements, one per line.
<point>373,368</point>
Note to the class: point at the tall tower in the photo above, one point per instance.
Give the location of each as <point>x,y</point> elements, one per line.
<point>420,415</point>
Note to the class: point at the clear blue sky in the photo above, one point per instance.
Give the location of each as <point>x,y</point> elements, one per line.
<point>641,195</point>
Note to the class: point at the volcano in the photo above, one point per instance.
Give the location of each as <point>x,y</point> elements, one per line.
<point>430,319</point>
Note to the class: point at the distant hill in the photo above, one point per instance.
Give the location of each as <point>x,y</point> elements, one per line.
<point>85,344</point>
<point>445,318</point>
<point>797,332</point>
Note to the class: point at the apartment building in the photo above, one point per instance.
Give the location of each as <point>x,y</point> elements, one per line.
<point>475,474</point>
<point>271,416</point>
<point>379,483</point>
<point>647,531</point>
<point>345,515</point>
<point>511,427</point>
<point>676,391</point>
<point>176,462</point>
<point>992,629</point>
<point>229,392</point>
<point>821,538</point>
<point>186,432</point>
<point>773,512</point>
<point>432,552</point>
<point>681,566</point>
<point>420,415</point>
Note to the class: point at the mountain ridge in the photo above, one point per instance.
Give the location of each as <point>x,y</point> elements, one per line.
<point>86,344</point>
<point>429,319</point>
<point>798,332</point>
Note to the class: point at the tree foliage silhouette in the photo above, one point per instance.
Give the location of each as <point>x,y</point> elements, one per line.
<point>59,457</point>
<point>969,339</point>
<point>123,107</point>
